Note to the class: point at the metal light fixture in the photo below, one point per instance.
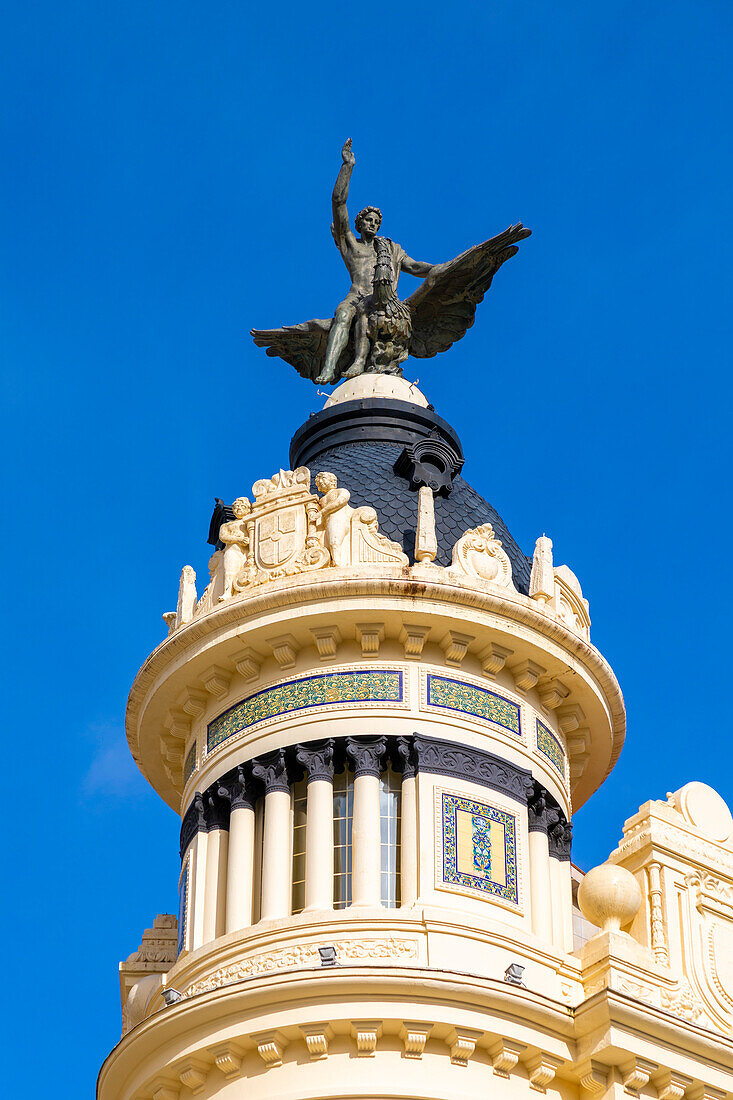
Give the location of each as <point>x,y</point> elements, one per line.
<point>514,974</point>
<point>171,996</point>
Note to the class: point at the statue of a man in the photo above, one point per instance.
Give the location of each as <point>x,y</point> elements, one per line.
<point>360,257</point>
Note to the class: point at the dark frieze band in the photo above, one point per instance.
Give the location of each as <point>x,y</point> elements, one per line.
<point>312,760</point>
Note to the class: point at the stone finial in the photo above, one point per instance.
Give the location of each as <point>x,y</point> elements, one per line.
<point>609,897</point>
<point>542,579</point>
<point>426,542</point>
<point>186,596</point>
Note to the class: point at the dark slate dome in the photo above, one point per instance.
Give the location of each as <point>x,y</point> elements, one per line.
<point>382,450</point>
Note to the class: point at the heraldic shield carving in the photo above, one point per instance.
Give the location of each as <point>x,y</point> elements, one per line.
<point>708,928</point>
<point>280,533</point>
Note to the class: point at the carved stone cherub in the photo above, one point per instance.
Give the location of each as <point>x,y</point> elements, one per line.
<point>235,536</point>
<point>352,534</point>
<point>336,513</point>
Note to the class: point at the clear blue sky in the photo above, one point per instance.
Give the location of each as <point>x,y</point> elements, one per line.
<point>166,175</point>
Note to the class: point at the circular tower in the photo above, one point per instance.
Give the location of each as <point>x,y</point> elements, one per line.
<point>375,724</point>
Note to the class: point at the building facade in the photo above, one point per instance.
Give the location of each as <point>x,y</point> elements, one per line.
<point>376,723</point>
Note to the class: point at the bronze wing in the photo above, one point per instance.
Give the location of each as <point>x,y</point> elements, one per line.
<point>444,307</point>
<point>302,346</point>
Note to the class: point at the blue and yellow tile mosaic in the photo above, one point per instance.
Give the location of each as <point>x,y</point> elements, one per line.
<point>189,764</point>
<point>477,701</point>
<point>479,847</point>
<point>326,689</point>
<point>550,747</point>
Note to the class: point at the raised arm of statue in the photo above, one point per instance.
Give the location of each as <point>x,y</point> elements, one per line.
<point>340,228</point>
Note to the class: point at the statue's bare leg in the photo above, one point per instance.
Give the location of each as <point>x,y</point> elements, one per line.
<point>361,341</point>
<point>337,340</point>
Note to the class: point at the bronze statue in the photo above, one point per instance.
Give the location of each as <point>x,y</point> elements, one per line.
<point>372,329</point>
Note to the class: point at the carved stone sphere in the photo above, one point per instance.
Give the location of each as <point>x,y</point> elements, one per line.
<point>609,896</point>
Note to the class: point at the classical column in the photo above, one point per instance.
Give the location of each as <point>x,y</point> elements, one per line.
<point>559,837</point>
<point>197,881</point>
<point>277,839</point>
<point>217,843</point>
<point>409,847</point>
<point>240,866</point>
<point>540,884</point>
<point>367,755</point>
<point>317,758</point>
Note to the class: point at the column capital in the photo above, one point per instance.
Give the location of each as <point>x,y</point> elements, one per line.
<point>559,836</point>
<point>216,809</point>
<point>367,754</point>
<point>405,750</point>
<point>538,810</point>
<point>272,770</point>
<point>317,759</point>
<point>237,787</point>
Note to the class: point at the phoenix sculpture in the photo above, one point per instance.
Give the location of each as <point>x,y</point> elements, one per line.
<point>372,330</point>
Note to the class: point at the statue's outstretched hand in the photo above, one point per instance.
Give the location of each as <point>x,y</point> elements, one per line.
<point>346,155</point>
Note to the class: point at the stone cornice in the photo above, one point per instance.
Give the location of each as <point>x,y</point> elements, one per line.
<point>445,591</point>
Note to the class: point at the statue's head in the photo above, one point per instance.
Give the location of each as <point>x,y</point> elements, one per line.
<point>368,221</point>
<point>326,481</point>
<point>241,507</point>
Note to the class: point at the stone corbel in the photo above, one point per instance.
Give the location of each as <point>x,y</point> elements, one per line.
<point>413,639</point>
<point>193,702</point>
<point>671,1085</point>
<point>177,730</point>
<point>462,1043</point>
<point>192,1074</point>
<point>165,1090</point>
<point>414,1035</point>
<point>248,664</point>
<point>578,753</point>
<point>327,640</point>
<point>370,635</point>
<point>366,1033</point>
<point>455,646</point>
<point>699,1091</point>
<point>636,1074</point>
<point>542,1069</point>
<point>228,1058</point>
<point>493,658</point>
<point>526,674</point>
<point>570,717</point>
<point>216,680</point>
<point>284,649</point>
<point>270,1047</point>
<point>317,1038</point>
<point>505,1055</point>
<point>552,692</point>
<point>593,1077</point>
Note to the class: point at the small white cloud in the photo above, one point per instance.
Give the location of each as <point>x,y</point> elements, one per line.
<point>112,770</point>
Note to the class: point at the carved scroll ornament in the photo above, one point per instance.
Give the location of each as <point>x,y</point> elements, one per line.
<point>478,556</point>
